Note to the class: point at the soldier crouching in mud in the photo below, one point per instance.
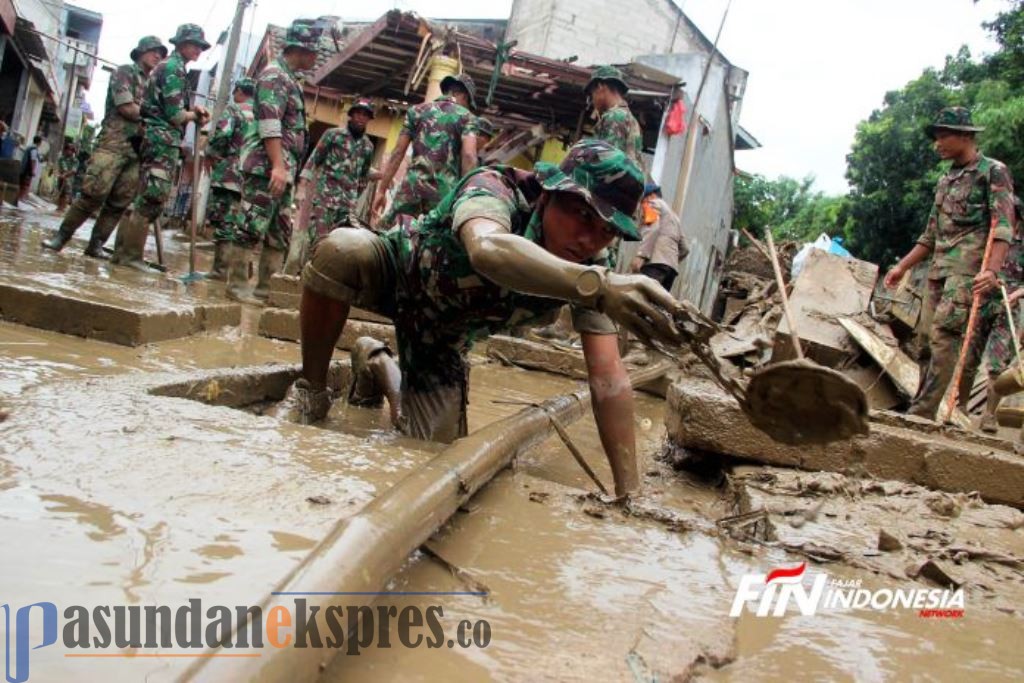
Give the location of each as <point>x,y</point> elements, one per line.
<point>504,248</point>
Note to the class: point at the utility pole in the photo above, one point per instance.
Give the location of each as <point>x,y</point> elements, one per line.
<point>227,67</point>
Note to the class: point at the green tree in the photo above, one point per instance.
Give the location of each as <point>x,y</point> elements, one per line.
<point>791,207</point>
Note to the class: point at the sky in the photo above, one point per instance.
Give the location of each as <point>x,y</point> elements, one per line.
<point>817,67</point>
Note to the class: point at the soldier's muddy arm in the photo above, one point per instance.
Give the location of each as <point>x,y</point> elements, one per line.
<point>611,398</point>
<point>988,278</point>
<point>634,301</point>
<point>924,247</point>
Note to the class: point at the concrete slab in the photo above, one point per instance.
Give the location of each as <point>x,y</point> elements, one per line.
<point>116,321</point>
<point>283,323</point>
<point>701,416</point>
<point>828,286</point>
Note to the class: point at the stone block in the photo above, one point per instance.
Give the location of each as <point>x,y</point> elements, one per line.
<point>701,416</point>
<point>129,323</point>
<point>282,323</point>
<point>286,291</point>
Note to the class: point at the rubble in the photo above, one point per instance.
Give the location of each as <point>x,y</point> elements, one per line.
<point>701,416</point>
<point>828,287</point>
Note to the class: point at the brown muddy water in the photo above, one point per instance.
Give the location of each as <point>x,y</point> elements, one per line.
<point>111,495</point>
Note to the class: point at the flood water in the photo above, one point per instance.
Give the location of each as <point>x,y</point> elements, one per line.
<point>110,495</point>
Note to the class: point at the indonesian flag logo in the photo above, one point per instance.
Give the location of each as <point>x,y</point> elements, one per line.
<point>784,573</point>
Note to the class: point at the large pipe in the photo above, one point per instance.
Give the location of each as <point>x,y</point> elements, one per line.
<point>361,553</point>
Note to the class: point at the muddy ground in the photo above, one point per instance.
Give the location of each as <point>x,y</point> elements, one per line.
<point>115,490</point>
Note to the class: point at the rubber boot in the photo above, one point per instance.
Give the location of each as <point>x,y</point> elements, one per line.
<point>104,227</point>
<point>130,244</point>
<point>219,271</point>
<point>72,220</point>
<point>237,260</point>
<point>271,263</point>
<point>989,422</point>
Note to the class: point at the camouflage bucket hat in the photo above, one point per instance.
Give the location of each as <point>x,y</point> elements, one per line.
<point>609,74</point>
<point>146,45</point>
<point>304,34</point>
<point>246,85</point>
<point>364,104</point>
<point>602,175</point>
<point>953,118</point>
<point>465,81</point>
<point>190,33</point>
<point>484,126</point>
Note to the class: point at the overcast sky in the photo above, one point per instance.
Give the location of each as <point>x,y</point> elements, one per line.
<point>817,67</point>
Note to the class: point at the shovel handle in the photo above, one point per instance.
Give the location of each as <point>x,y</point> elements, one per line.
<point>782,292</point>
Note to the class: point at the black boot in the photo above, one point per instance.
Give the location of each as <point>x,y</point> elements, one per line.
<point>104,227</point>
<point>57,240</point>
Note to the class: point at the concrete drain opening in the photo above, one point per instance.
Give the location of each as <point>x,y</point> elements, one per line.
<point>252,389</point>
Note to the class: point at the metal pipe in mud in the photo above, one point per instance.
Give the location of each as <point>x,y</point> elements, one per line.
<point>362,552</point>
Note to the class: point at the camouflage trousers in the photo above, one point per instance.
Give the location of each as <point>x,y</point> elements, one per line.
<point>950,301</point>
<point>218,212</point>
<point>992,337</point>
<point>362,269</point>
<point>325,217</point>
<point>413,198</point>
<point>110,181</point>
<point>156,179</point>
<point>108,185</point>
<point>260,217</point>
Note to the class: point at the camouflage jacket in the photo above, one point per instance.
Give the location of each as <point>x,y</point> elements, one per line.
<point>966,201</point>
<point>344,166</point>
<point>234,127</point>
<point>127,85</point>
<point>619,128</point>
<point>66,165</point>
<point>280,112</point>
<point>445,306</point>
<point>166,101</point>
<point>436,129</point>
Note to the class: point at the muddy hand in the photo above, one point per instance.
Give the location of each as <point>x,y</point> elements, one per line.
<point>642,306</point>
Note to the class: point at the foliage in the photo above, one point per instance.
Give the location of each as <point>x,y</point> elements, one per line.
<point>791,207</point>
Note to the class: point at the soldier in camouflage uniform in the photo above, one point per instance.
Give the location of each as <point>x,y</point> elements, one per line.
<point>974,196</point>
<point>443,138</point>
<point>234,126</point>
<point>67,164</point>
<point>992,336</point>
<point>112,173</point>
<point>165,113</point>
<point>270,163</point>
<point>504,248</point>
<point>607,91</point>
<point>339,169</point>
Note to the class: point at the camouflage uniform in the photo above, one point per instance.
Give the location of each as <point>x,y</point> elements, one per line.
<point>436,129</point>
<point>992,337</point>
<point>111,176</point>
<point>619,128</point>
<point>235,125</point>
<point>165,111</point>
<point>66,167</point>
<point>420,276</point>
<point>280,112</point>
<point>341,163</point>
<point>966,200</point>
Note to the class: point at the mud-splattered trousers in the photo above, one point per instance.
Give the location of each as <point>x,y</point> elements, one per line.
<point>260,217</point>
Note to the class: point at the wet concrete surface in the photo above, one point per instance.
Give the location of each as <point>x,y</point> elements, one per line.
<point>114,494</point>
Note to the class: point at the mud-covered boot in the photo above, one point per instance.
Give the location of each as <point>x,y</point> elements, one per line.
<point>219,270</point>
<point>57,240</point>
<point>271,263</point>
<point>303,404</point>
<point>989,423</point>
<point>130,244</point>
<point>237,260</point>
<point>102,229</point>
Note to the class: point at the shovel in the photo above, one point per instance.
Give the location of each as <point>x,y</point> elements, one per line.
<point>795,402</point>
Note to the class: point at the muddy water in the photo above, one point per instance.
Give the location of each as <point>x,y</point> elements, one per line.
<point>113,496</point>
